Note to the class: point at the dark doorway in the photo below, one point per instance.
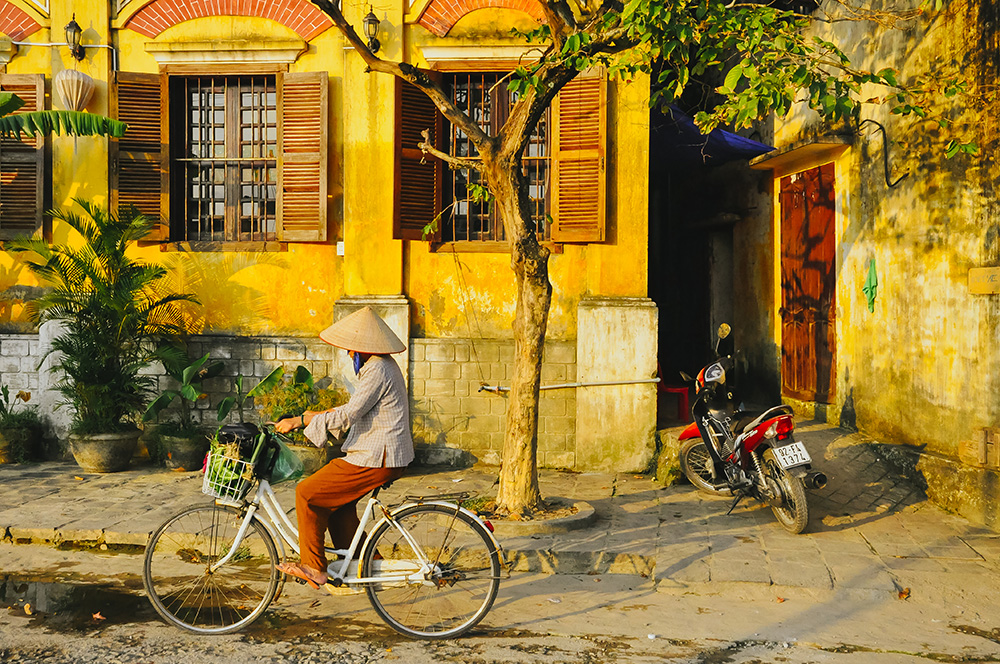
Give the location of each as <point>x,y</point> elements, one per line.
<point>808,284</point>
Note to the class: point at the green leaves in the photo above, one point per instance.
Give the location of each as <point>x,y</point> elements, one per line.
<point>45,123</point>
<point>955,147</point>
<point>9,102</point>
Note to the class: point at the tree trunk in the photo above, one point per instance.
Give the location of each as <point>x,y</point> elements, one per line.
<point>518,492</point>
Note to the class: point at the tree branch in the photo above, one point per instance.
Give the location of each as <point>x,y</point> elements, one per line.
<point>483,141</point>
<point>454,163</point>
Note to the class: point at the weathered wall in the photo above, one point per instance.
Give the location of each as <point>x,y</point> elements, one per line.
<point>921,368</point>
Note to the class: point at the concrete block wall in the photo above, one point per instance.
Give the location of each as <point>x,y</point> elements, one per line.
<point>254,358</point>
<point>19,359</point>
<point>451,419</point>
<point>448,411</point>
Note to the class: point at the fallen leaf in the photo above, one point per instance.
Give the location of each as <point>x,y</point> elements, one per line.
<point>904,593</point>
<point>432,487</point>
<point>28,610</point>
<point>638,477</point>
<point>555,600</point>
<point>98,616</point>
<point>77,478</point>
<point>779,600</point>
<point>597,580</point>
<point>314,604</point>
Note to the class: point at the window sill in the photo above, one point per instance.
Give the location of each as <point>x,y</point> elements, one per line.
<point>222,246</point>
<point>467,247</point>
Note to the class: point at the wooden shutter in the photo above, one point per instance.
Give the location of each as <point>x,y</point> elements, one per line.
<point>579,175</point>
<point>418,185</point>
<point>24,180</point>
<point>303,100</point>
<point>138,166</point>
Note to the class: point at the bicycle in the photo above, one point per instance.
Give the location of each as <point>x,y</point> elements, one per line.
<point>430,567</point>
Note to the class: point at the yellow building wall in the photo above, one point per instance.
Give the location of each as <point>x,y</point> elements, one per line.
<point>293,291</point>
<point>920,369</point>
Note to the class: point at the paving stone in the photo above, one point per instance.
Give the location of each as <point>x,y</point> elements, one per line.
<point>869,531</point>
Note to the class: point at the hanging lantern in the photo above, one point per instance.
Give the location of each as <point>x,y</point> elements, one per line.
<point>75,89</point>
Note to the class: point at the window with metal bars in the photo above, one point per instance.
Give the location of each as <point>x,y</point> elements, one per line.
<point>224,137</point>
<point>486,98</point>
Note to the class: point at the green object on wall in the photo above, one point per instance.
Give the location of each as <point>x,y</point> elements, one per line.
<point>870,288</point>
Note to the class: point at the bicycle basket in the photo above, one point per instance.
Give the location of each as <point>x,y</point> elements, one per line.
<point>226,477</point>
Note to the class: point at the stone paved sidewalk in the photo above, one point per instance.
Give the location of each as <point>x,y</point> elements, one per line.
<point>869,532</point>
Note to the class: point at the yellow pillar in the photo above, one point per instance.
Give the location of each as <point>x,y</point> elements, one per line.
<point>373,260</point>
<point>80,165</point>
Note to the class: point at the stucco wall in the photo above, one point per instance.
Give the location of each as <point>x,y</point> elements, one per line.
<point>921,369</point>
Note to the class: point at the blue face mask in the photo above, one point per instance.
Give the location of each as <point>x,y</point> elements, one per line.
<point>357,363</point>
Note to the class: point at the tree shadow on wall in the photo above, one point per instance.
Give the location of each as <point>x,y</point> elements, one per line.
<point>13,296</point>
<point>226,303</point>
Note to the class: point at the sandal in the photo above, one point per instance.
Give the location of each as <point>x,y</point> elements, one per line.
<point>300,572</point>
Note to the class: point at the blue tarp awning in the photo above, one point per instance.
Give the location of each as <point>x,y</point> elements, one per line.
<point>684,144</point>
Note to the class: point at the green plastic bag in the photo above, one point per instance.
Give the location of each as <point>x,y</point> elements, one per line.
<point>288,466</point>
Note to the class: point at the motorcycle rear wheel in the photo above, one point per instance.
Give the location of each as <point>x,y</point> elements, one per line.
<point>793,511</point>
<point>696,464</point>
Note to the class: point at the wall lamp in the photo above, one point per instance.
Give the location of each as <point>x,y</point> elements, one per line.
<point>371,23</point>
<point>73,32</point>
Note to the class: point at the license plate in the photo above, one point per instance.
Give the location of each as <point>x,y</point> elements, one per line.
<point>792,455</point>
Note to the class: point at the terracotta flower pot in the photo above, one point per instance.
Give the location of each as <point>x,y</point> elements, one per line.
<point>185,452</point>
<point>104,452</point>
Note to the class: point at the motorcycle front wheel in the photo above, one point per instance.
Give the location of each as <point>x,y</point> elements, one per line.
<point>696,464</point>
<point>791,510</point>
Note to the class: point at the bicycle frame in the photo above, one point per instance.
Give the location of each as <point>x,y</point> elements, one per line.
<point>282,530</point>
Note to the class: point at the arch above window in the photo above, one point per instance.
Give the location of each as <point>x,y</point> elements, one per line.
<point>15,22</point>
<point>440,16</point>
<point>299,15</point>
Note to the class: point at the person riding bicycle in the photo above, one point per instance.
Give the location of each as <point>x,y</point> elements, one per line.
<point>377,449</point>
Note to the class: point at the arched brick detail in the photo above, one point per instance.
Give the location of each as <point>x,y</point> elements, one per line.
<point>441,15</point>
<point>15,23</point>
<point>299,15</point>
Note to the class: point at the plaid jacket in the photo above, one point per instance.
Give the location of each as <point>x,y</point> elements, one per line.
<point>377,417</point>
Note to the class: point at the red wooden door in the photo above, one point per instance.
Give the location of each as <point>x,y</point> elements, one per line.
<point>808,285</point>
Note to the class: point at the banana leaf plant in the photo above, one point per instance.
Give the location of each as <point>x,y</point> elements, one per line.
<point>74,123</point>
<point>265,385</point>
<point>190,391</point>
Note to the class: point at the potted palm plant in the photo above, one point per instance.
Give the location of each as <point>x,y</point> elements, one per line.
<point>183,441</point>
<point>114,313</point>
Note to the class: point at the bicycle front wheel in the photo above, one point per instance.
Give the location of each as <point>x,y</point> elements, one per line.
<point>464,572</point>
<point>188,593</point>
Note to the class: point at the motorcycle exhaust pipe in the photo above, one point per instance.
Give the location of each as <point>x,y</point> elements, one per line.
<point>814,479</point>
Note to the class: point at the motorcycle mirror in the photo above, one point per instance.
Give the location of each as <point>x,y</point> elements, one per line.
<point>724,330</point>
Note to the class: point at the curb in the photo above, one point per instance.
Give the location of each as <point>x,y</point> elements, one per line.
<point>584,517</point>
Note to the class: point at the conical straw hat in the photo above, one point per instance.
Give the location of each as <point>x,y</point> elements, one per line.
<point>364,332</point>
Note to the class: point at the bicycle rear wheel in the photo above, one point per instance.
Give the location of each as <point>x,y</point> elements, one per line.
<point>187,593</point>
<point>461,586</point>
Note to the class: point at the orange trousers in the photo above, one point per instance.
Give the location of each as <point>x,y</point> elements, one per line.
<point>328,500</point>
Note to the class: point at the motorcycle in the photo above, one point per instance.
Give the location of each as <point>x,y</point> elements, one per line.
<point>726,451</point>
